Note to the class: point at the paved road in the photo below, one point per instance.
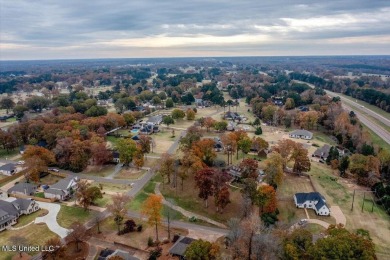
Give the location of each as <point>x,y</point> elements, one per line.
<point>355,107</point>
<point>350,103</point>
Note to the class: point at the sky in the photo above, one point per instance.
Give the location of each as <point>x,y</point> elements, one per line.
<point>72,29</point>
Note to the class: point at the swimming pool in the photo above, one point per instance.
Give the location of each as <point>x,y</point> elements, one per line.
<point>134,131</point>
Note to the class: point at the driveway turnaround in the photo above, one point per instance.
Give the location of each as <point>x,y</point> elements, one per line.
<point>51,218</point>
<point>336,212</point>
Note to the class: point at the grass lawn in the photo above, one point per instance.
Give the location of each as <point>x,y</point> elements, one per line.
<point>113,140</point>
<point>50,179</point>
<point>376,140</point>
<point>111,187</point>
<point>7,154</point>
<point>339,191</point>
<point>130,173</point>
<point>68,215</point>
<point>25,219</point>
<point>99,171</point>
<point>12,119</point>
<point>188,199</point>
<point>35,234</point>
<point>103,202</point>
<point>40,194</point>
<point>314,228</point>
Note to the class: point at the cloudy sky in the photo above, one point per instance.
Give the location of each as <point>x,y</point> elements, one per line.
<point>53,29</point>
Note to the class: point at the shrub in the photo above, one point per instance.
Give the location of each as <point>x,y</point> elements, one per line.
<point>258,131</point>
<point>139,228</point>
<point>192,219</point>
<point>155,253</point>
<point>150,241</point>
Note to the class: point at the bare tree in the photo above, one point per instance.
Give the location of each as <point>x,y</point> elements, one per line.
<point>56,249</point>
<point>118,207</point>
<point>77,234</point>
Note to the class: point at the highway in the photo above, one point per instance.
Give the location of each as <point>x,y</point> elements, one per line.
<point>363,113</point>
<point>356,108</point>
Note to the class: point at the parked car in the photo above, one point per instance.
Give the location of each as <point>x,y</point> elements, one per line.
<point>53,170</point>
<point>21,162</point>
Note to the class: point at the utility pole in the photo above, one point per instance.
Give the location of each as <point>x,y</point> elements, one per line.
<point>364,197</point>
<point>353,199</point>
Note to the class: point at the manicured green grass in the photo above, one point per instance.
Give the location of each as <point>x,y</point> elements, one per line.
<point>314,228</point>
<point>12,119</point>
<point>149,187</point>
<point>40,195</point>
<point>137,202</point>
<point>113,139</point>
<point>25,219</point>
<point>103,202</point>
<point>68,215</point>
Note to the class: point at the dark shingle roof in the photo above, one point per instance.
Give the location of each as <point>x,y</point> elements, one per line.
<point>8,167</point>
<point>322,151</point>
<point>62,184</point>
<point>302,132</point>
<point>22,187</point>
<point>55,191</point>
<point>311,196</point>
<point>180,246</point>
<point>9,207</point>
<point>23,203</point>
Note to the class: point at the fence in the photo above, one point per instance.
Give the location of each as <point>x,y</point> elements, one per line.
<point>21,196</point>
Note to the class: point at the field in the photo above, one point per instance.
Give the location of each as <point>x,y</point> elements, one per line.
<point>103,171</point>
<point>130,173</point>
<point>68,215</point>
<point>339,192</point>
<point>111,187</point>
<point>29,233</point>
<point>26,219</point>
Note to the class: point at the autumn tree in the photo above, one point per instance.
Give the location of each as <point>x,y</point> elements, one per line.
<point>285,148</point>
<point>7,104</point>
<point>57,249</point>
<point>229,141</point>
<point>204,182</point>
<point>189,165</point>
<point>37,160</point>
<point>178,114</point>
<point>190,114</point>
<point>145,143</point>
<point>244,144</point>
<point>221,126</point>
<point>274,169</point>
<point>118,207</point>
<point>204,149</point>
<point>339,243</point>
<point>152,209</point>
<point>297,244</point>
<point>266,199</point>
<point>76,234</point>
<point>290,104</point>
<point>301,159</point>
<point>127,148</point>
<point>249,168</point>
<point>100,154</point>
<point>209,123</point>
<point>193,135</point>
<point>308,119</point>
<point>201,249</point>
<point>166,166</point>
<point>363,166</point>
<point>87,194</point>
<point>222,198</point>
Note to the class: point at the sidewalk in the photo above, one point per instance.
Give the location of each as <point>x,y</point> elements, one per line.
<point>185,212</point>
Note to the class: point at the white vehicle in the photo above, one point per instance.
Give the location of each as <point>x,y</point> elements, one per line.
<point>54,170</point>
<point>21,162</point>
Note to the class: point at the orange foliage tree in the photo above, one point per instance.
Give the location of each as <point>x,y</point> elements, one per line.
<point>152,209</point>
<point>204,149</point>
<point>37,159</point>
<point>266,199</point>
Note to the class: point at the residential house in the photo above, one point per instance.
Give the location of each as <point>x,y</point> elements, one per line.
<point>322,152</point>
<point>179,247</point>
<point>63,189</point>
<point>8,169</point>
<point>6,220</point>
<point>155,120</point>
<point>301,133</point>
<point>218,146</point>
<point>232,116</point>
<point>106,254</point>
<point>146,129</point>
<point>231,126</point>
<point>312,200</point>
<point>23,188</point>
<point>11,209</point>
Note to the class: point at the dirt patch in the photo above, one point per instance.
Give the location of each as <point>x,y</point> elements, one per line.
<point>130,173</point>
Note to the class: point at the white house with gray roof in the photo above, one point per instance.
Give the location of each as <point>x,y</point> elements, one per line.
<point>8,169</point>
<point>62,189</point>
<point>11,209</point>
<point>312,200</point>
<point>23,188</point>
<point>302,134</point>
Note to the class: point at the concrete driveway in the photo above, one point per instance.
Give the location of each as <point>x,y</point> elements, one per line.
<point>336,212</point>
<point>51,218</point>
